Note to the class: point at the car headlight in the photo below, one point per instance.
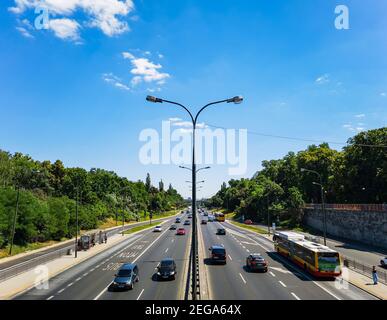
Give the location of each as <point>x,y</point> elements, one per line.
<point>173,272</point>
<point>158,273</point>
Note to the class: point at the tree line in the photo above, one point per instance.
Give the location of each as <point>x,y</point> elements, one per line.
<point>357,174</point>
<point>48,193</point>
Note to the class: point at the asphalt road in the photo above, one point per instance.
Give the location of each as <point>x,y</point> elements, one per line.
<point>283,281</point>
<point>90,279</point>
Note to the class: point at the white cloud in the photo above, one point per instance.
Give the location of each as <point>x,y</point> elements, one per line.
<point>147,70</point>
<point>127,55</point>
<point>383,94</point>
<point>362,115</point>
<point>352,128</point>
<point>144,70</point>
<point>65,28</point>
<point>174,119</point>
<point>323,79</point>
<point>115,81</point>
<point>24,32</point>
<point>188,124</point>
<point>107,15</point>
<point>160,56</point>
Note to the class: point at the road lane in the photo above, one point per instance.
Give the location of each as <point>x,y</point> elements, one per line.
<point>303,284</point>
<point>231,281</point>
<point>89,278</point>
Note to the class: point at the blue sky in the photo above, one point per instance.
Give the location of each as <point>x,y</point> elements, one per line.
<point>71,93</point>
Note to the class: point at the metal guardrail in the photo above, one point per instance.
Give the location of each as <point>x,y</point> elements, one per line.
<point>364,269</point>
<point>24,266</point>
<point>350,207</point>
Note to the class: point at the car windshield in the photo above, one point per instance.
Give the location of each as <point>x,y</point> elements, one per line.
<point>124,273</point>
<point>167,263</point>
<point>218,251</point>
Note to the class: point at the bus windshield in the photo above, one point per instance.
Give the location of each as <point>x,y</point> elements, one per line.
<point>328,260</point>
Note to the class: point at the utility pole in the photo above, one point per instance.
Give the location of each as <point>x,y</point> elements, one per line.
<point>76,218</point>
<point>15,219</point>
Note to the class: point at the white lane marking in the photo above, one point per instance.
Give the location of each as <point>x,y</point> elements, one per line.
<point>283,284</point>
<point>70,284</point>
<point>297,271</point>
<point>294,295</point>
<point>281,270</point>
<point>172,240</point>
<point>77,279</point>
<point>85,274</point>
<point>49,298</point>
<point>243,246</point>
<point>138,257</point>
<point>229,257</point>
<point>272,273</point>
<point>166,250</point>
<point>243,279</point>
<point>139,296</point>
<point>92,270</point>
<point>247,250</point>
<point>61,290</point>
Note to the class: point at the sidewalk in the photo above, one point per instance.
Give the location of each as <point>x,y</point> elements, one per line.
<point>365,283</point>
<point>26,280</point>
<point>357,279</point>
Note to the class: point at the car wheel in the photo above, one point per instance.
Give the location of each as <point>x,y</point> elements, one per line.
<point>138,279</point>
<point>131,287</point>
<point>382,263</point>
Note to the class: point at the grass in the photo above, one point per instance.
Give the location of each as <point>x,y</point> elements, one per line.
<point>143,227</point>
<point>249,227</point>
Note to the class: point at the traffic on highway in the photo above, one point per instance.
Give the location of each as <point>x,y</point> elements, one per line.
<point>153,264</point>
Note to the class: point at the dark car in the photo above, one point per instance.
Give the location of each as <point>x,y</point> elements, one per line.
<point>178,220</point>
<point>218,254</point>
<point>255,262</point>
<point>204,221</point>
<point>166,269</point>
<point>126,276</point>
<point>187,222</point>
<point>221,231</point>
<point>190,216</point>
<point>172,227</point>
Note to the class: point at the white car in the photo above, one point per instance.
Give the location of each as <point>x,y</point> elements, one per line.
<point>383,262</point>
<point>157,229</point>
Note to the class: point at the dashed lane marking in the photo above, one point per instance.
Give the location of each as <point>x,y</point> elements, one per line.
<point>139,296</point>
<point>283,284</point>
<point>229,257</point>
<point>272,273</point>
<point>49,298</point>
<point>243,279</point>
<point>294,295</point>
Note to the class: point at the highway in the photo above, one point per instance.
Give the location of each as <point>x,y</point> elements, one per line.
<point>90,280</point>
<point>283,281</point>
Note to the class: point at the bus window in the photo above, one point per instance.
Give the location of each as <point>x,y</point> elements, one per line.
<point>328,261</point>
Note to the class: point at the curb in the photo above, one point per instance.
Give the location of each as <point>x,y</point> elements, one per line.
<point>204,283</point>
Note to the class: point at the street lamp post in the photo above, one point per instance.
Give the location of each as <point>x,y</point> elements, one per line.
<point>76,219</point>
<point>322,201</point>
<point>236,99</point>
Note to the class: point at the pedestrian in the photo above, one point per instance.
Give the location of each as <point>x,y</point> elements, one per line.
<point>105,237</point>
<point>374,275</point>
